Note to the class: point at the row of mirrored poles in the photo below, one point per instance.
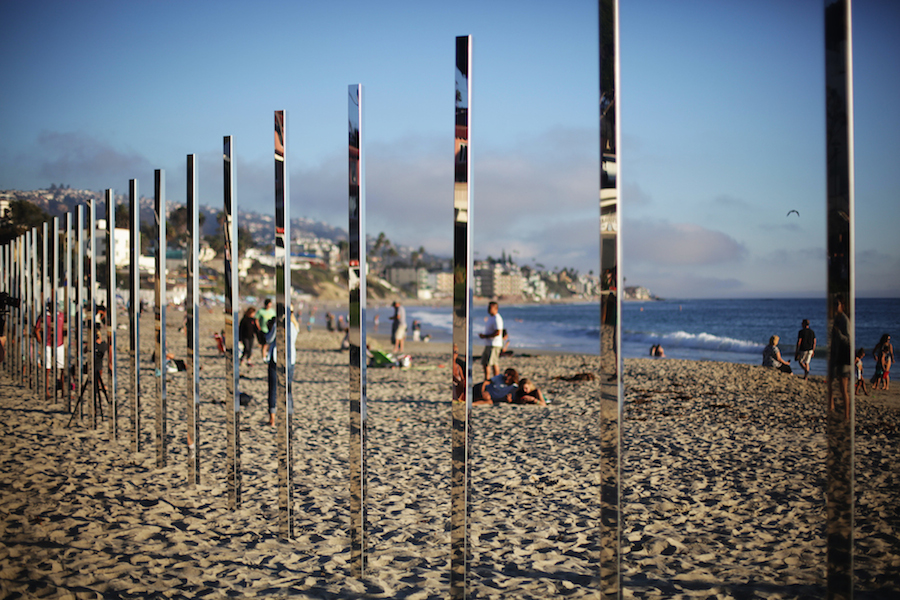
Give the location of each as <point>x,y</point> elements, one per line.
<point>48,269</point>
<point>80,266</point>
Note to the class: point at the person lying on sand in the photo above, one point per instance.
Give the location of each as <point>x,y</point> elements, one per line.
<point>528,393</point>
<point>499,387</point>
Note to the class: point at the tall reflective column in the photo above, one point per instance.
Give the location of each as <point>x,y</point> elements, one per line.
<point>232,391</point>
<point>92,312</point>
<point>20,318</point>
<point>192,326</point>
<point>841,297</point>
<point>111,312</point>
<point>46,329</point>
<point>610,307</point>
<point>55,321</point>
<point>159,313</point>
<point>79,303</point>
<point>357,330</point>
<point>134,312</point>
<point>68,301</point>
<point>461,409</point>
<point>34,312</point>
<point>284,349</point>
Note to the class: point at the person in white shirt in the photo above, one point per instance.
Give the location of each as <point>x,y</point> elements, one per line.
<point>493,333</point>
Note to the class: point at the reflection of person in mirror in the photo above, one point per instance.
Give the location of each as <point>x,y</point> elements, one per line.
<point>860,379</point>
<point>772,356</point>
<point>498,388</point>
<point>493,334</point>
<point>459,376</point>
<point>806,346</point>
<point>839,364</point>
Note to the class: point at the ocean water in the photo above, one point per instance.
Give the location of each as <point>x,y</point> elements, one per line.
<point>720,330</point>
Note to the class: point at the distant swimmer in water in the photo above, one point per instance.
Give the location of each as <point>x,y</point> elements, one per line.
<point>657,351</point>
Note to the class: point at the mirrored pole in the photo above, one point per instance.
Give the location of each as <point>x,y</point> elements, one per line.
<point>56,322</point>
<point>25,345</point>
<point>31,255</point>
<point>357,331</point>
<point>68,299</point>
<point>134,311</point>
<point>23,307</point>
<point>840,407</point>
<point>47,362</point>
<point>159,312</point>
<point>611,400</point>
<point>20,318</point>
<point>37,358</point>
<point>92,311</point>
<point>283,328</point>
<point>4,289</point>
<point>192,326</point>
<point>232,305</point>
<point>79,302</point>
<point>460,483</point>
<point>25,275</point>
<point>111,312</point>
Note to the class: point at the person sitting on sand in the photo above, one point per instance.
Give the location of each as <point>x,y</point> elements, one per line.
<point>772,356</point>
<point>860,380</point>
<point>528,393</point>
<point>499,387</point>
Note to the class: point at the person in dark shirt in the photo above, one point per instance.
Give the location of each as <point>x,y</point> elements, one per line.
<point>806,346</point>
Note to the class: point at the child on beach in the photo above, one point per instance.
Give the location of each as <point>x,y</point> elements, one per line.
<point>860,381</point>
<point>528,393</point>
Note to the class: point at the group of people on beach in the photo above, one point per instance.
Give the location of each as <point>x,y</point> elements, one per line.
<point>806,346</point>
<point>507,387</point>
<point>883,353</point>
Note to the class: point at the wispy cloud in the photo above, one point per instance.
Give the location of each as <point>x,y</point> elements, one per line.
<point>82,160</point>
<point>678,244</point>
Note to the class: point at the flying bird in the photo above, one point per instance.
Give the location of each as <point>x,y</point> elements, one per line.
<point>792,211</point>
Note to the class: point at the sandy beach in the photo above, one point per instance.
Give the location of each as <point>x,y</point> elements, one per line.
<point>723,486</point>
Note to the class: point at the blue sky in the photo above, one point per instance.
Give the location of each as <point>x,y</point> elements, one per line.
<point>722,123</point>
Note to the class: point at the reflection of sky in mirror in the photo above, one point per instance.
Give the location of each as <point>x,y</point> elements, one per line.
<point>722,124</point>
<point>462,90</point>
<point>353,111</point>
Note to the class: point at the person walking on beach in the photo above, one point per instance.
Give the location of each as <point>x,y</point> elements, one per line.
<point>493,333</point>
<point>398,327</point>
<point>860,380</point>
<point>806,346</point>
<point>247,331</point>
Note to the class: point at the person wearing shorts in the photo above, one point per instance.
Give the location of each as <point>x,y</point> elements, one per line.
<point>493,333</point>
<point>806,346</point>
